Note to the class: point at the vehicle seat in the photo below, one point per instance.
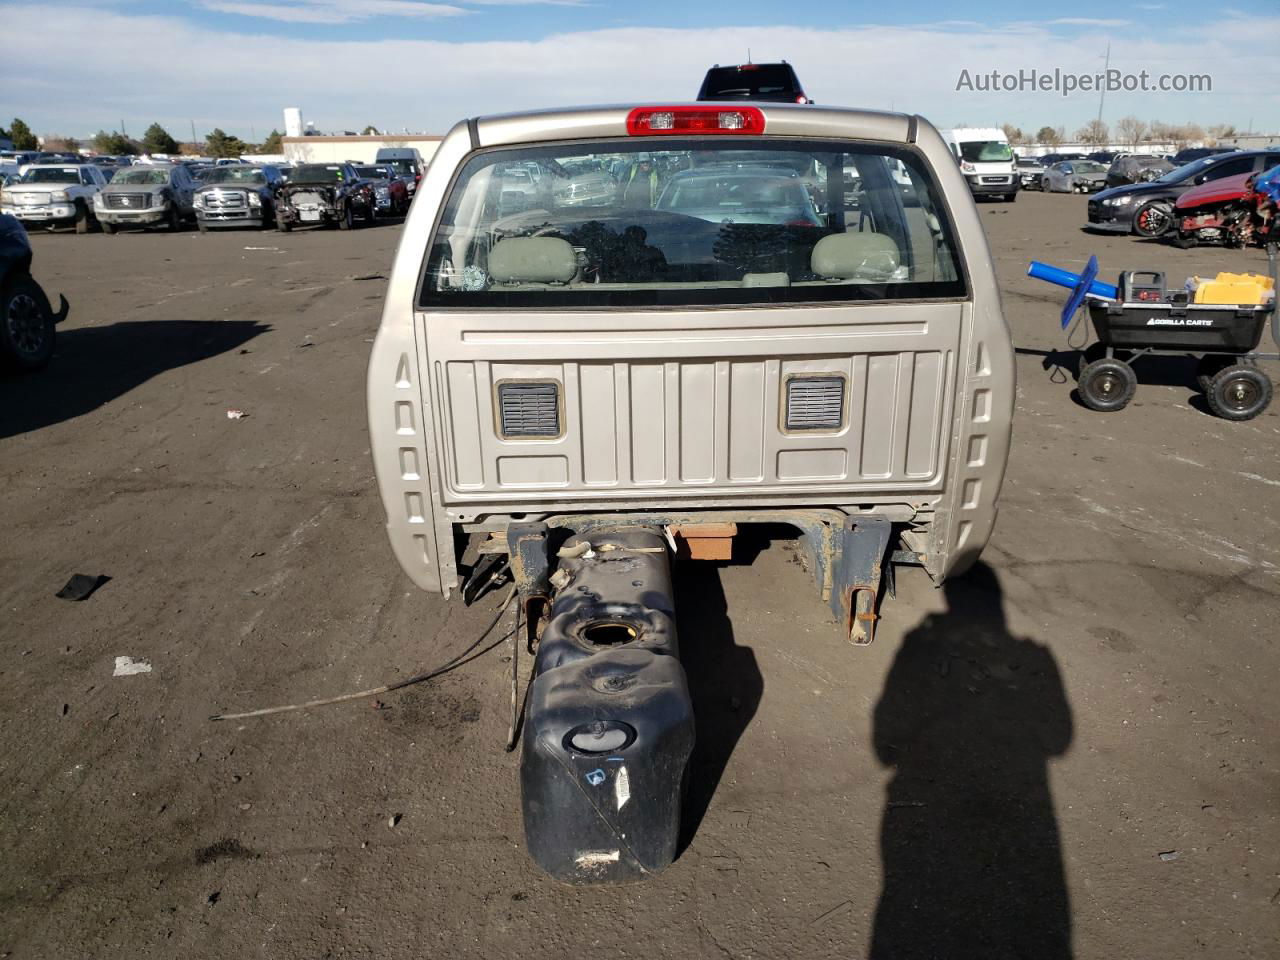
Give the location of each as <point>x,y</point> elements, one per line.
<point>532,260</point>
<point>866,257</point>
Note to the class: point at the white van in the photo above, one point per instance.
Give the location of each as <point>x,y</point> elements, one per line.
<point>985,159</point>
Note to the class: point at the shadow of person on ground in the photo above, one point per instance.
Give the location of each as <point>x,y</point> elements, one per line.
<point>724,682</point>
<point>94,365</point>
<point>969,717</point>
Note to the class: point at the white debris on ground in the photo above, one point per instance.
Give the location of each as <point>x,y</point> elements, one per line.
<point>127,667</point>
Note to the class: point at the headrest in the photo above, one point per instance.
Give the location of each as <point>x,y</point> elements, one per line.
<point>532,260</point>
<point>855,256</point>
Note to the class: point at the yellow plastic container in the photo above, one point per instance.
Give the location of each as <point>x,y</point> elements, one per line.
<point>1245,289</point>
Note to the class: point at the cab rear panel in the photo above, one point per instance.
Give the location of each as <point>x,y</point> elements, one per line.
<point>502,408</point>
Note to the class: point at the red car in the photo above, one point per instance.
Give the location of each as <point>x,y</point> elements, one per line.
<point>1221,211</point>
<point>390,190</point>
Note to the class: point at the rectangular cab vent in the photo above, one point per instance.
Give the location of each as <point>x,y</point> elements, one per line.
<point>815,403</point>
<point>529,409</point>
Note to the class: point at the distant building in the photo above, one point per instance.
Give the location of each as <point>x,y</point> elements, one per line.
<point>292,122</point>
<point>1032,150</point>
<point>1251,141</point>
<point>360,149</point>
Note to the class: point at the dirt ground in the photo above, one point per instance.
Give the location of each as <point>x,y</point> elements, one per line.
<point>1071,752</point>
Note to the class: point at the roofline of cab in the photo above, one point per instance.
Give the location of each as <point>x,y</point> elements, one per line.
<point>780,120</point>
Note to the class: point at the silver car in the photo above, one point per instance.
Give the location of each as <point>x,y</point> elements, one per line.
<point>1074,176</point>
<point>146,195</point>
<point>237,195</point>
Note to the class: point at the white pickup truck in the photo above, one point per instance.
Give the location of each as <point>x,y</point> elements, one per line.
<point>55,195</point>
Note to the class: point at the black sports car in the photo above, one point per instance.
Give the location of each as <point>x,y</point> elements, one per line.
<point>1115,210</point>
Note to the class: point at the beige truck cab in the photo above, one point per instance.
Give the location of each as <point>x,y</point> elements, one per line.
<point>609,330</point>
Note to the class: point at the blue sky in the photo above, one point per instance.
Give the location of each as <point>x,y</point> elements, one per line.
<point>422,65</point>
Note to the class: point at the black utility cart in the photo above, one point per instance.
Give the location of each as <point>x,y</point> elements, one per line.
<point>1146,320</point>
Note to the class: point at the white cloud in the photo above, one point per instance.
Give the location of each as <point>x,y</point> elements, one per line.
<point>354,11</point>
<point>332,11</point>
<point>1085,22</point>
<point>233,79</point>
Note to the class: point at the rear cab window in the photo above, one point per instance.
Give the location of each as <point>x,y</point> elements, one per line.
<point>686,222</point>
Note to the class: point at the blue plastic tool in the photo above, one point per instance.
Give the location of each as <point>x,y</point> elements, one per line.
<point>1076,297</point>
<point>1081,285</point>
<point>1065,278</point>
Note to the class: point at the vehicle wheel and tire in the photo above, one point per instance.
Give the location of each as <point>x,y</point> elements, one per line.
<point>1240,392</point>
<point>1209,367</point>
<point>174,220</point>
<point>347,220</point>
<point>26,326</point>
<point>83,220</point>
<point>370,215</point>
<point>107,228</point>
<point>1153,219</point>
<point>1010,197</point>
<point>1107,385</point>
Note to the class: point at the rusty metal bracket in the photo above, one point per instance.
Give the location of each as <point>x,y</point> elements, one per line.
<point>862,554</point>
<point>530,558</point>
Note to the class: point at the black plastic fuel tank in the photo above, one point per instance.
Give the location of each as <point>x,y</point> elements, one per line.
<point>619,593</point>
<point>609,723</point>
<point>606,746</point>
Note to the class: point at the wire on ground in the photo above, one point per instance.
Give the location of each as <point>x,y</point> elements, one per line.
<point>456,662</point>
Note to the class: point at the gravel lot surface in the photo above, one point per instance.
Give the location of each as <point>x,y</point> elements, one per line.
<point>1071,752</point>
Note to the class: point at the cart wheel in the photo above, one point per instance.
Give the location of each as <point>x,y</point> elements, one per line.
<point>1107,385</point>
<point>1239,392</point>
<point>1208,368</point>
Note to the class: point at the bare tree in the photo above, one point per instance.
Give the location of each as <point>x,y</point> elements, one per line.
<point>1130,130</point>
<point>1095,132</point>
<point>1186,134</point>
<point>1221,131</point>
<point>1048,136</point>
<point>1013,134</point>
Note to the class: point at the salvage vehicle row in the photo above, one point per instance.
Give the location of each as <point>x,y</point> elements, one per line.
<point>1146,208</point>
<point>54,196</point>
